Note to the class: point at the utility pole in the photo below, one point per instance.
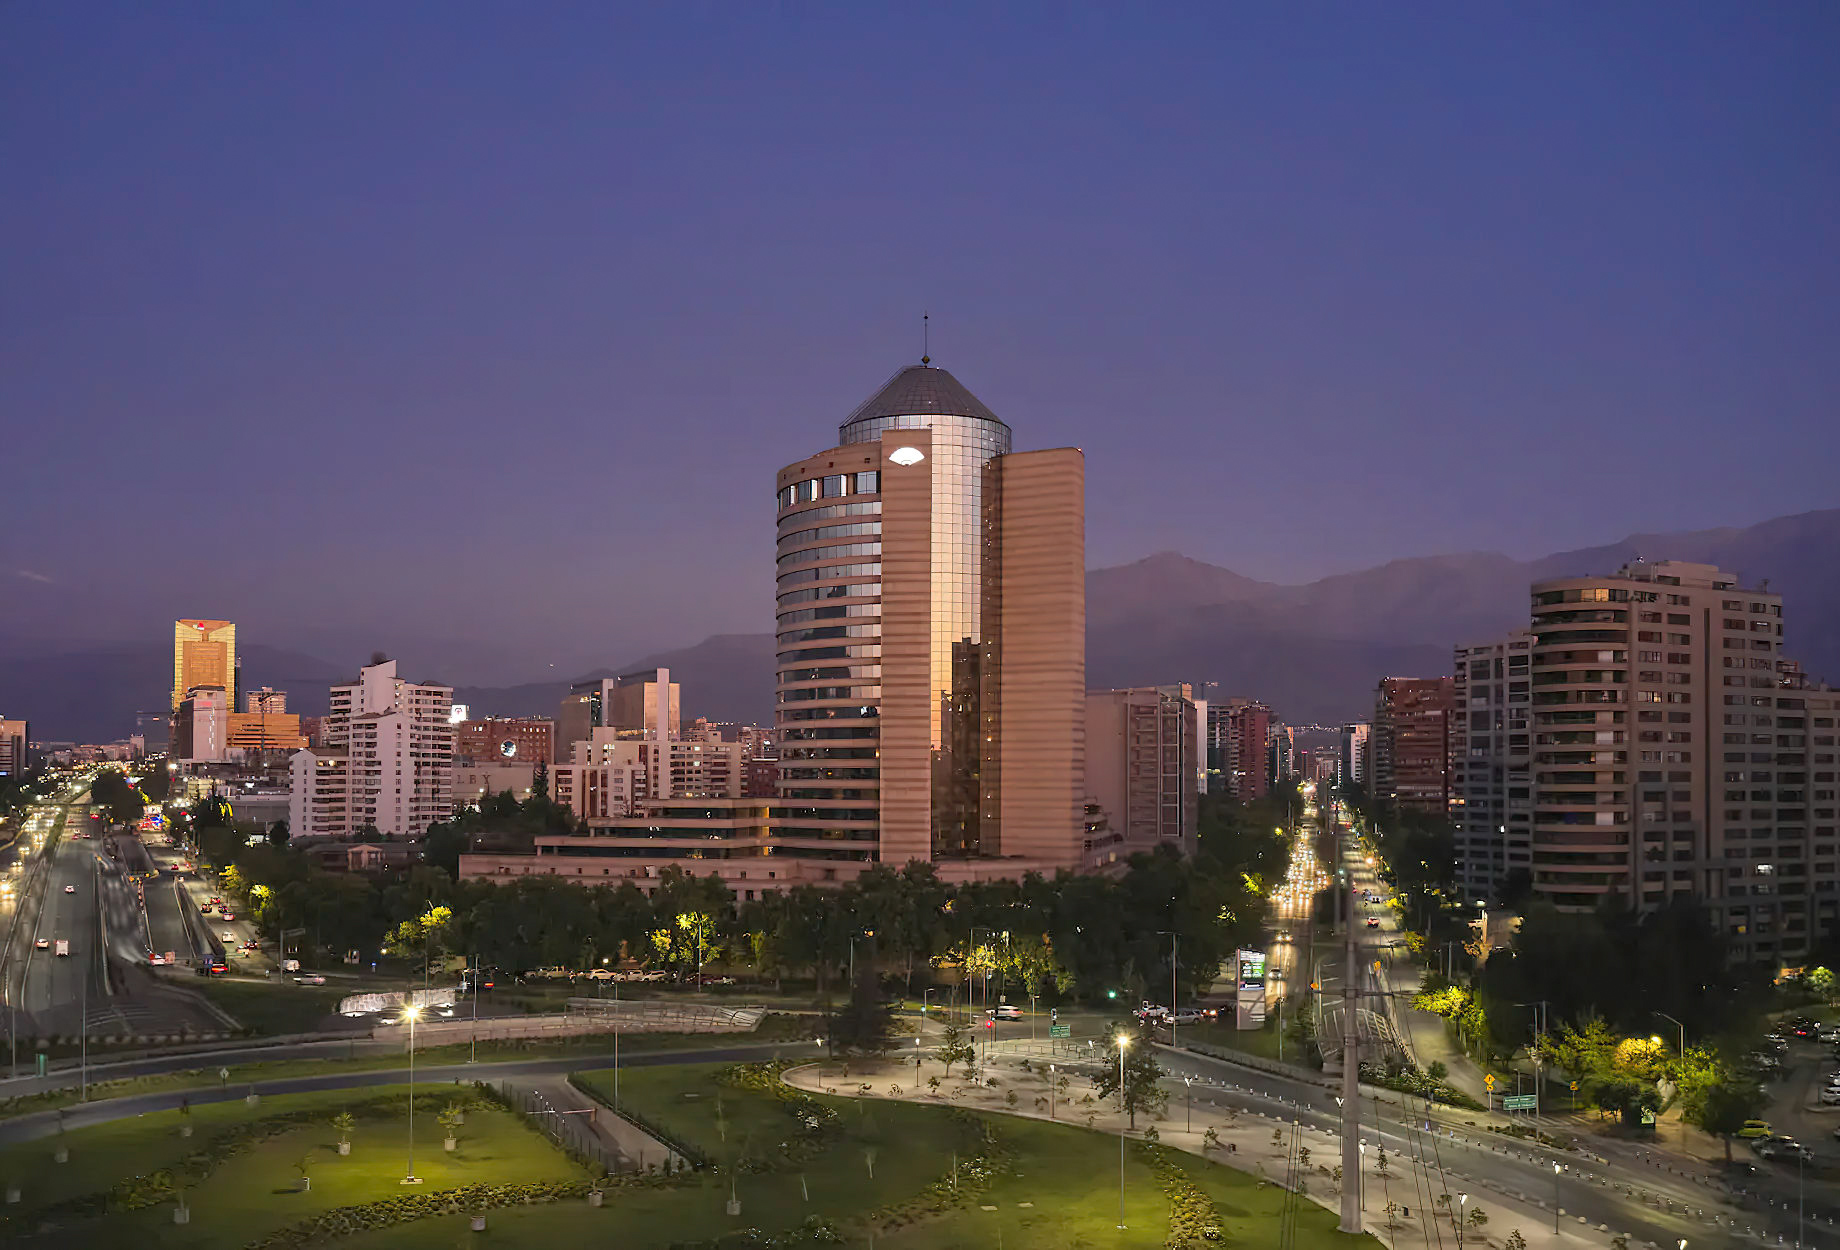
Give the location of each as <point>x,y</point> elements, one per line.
<point>1351,1066</point>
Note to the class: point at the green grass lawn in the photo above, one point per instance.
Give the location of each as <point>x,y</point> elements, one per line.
<point>271,1007</point>
<point>1059,1193</point>
<point>1261,1042</point>
<point>1056,1188</point>
<point>257,1191</point>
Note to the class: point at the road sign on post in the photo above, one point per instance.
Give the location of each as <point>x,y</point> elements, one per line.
<point>1060,1030</point>
<point>1489,1080</point>
<point>1518,1102</point>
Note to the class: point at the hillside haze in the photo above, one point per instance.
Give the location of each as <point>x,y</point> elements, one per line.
<point>1312,651</point>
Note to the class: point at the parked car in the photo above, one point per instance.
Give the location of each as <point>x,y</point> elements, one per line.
<point>1830,1097</point>
<point>1755,1130</point>
<point>1190,1015</point>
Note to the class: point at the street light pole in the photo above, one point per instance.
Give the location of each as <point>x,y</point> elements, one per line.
<point>1556,1170</point>
<point>1683,1031</point>
<point>1123,1042</point>
<point>412,1011</point>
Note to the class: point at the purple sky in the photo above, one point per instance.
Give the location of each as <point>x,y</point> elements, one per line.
<point>488,325</point>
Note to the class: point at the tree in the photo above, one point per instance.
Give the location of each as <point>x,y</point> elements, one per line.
<point>865,1026</point>
<point>278,834</point>
<point>1821,981</point>
<point>954,1047</point>
<point>1143,1090</point>
<point>1721,1107</point>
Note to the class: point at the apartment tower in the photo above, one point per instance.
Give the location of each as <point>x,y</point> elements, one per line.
<point>1678,755</point>
<point>1491,806</point>
<point>931,629</point>
<point>1410,743</point>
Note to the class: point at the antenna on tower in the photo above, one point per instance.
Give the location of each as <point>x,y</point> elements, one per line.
<point>926,339</point>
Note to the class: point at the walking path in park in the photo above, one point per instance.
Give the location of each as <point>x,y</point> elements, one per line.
<point>1399,1197</point>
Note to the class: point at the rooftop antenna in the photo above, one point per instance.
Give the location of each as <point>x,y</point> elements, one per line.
<point>926,343</point>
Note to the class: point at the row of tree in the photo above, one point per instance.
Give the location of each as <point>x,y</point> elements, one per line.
<point>1095,937</point>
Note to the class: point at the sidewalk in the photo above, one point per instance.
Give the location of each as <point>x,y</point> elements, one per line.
<point>565,1113</point>
<point>1264,1145</point>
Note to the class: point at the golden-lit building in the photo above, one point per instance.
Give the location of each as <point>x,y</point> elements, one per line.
<point>265,731</point>
<point>204,654</point>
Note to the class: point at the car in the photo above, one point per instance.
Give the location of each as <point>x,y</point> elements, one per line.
<point>1189,1015</point>
<point>43,944</point>
<point>1005,1011</point>
<point>228,914</point>
<point>213,968</point>
<point>1373,922</point>
<point>1786,1150</point>
<point>311,978</point>
<point>1830,1097</point>
<point>228,936</point>
<point>1755,1130</point>
<point>70,889</point>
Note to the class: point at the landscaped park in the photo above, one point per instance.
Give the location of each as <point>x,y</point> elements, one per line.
<point>769,1157</point>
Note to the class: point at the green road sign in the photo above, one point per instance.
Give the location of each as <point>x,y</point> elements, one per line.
<point>1519,1102</point>
<point>1060,1030</point>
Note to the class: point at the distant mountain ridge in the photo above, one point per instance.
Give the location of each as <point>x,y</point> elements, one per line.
<point>1312,651</point>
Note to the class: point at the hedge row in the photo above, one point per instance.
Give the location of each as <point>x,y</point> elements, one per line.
<point>1192,1214</point>
<point>469,1199</point>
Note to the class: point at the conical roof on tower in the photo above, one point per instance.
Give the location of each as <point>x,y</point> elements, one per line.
<point>921,391</point>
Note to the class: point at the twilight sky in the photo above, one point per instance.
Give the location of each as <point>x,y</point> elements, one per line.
<point>483,328</point>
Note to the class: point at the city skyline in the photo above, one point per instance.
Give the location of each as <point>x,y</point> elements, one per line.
<point>1308,296</point>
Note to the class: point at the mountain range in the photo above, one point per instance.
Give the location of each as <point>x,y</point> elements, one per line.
<point>1312,651</point>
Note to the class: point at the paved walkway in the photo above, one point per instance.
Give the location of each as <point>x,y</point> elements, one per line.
<point>1273,1149</point>
<point>569,1115</point>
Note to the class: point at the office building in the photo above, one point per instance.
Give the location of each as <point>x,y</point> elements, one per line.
<point>387,761</point>
<point>1410,744</point>
<point>1351,768</point>
<point>642,704</point>
<point>931,601</point>
<point>15,735</point>
<point>522,739</point>
<point>266,702</point>
<point>1141,747</point>
<point>1491,805</point>
<point>1241,759</point>
<point>201,729</point>
<point>610,775</point>
<point>264,733</point>
<point>931,672</point>
<point>204,654</point>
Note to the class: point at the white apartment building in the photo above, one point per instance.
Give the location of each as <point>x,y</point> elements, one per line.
<point>204,725</point>
<point>388,759</point>
<point>609,775</point>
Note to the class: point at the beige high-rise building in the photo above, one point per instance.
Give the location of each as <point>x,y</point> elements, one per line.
<point>204,654</point>
<point>1141,747</point>
<point>642,704</point>
<point>931,674</point>
<point>932,607</point>
<point>1676,754</point>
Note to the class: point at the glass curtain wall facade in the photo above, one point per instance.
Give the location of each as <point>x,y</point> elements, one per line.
<point>961,664</point>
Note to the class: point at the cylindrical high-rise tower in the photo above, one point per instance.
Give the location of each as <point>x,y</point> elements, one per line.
<point>890,582</point>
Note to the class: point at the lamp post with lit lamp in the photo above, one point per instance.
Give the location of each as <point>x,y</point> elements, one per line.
<point>1683,1031</point>
<point>1123,1042</point>
<point>410,1013</point>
